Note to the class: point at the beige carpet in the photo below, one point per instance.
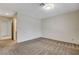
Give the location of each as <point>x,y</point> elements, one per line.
<point>40,46</point>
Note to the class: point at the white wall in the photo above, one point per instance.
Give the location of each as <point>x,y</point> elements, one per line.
<point>27,27</point>
<point>63,27</point>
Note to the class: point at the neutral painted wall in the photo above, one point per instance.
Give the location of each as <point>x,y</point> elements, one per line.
<point>27,27</point>
<point>5,28</point>
<point>64,27</point>
<point>61,27</point>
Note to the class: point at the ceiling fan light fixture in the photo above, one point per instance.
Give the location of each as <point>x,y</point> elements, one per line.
<point>47,6</point>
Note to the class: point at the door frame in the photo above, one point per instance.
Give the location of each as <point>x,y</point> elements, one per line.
<point>13,27</point>
<point>14,30</point>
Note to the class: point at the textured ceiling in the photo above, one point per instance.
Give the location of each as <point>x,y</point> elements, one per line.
<point>34,9</point>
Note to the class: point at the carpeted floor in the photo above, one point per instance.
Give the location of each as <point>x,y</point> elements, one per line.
<point>40,46</point>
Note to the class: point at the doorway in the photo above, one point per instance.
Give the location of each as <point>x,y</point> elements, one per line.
<point>8,28</point>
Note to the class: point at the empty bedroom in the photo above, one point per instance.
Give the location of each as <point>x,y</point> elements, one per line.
<point>39,28</point>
